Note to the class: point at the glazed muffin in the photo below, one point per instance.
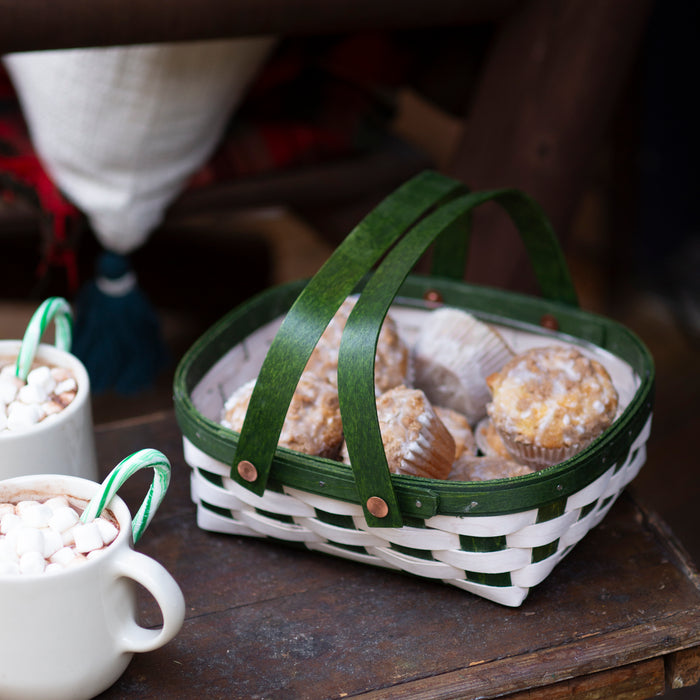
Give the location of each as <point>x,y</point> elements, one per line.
<point>488,441</point>
<point>415,440</point>
<point>458,426</point>
<point>312,424</point>
<point>451,358</point>
<point>391,358</point>
<point>485,468</point>
<point>549,403</point>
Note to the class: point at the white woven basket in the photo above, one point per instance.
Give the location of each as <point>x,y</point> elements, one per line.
<point>496,539</point>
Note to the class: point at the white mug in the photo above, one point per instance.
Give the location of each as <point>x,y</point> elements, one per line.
<point>66,440</point>
<point>71,634</point>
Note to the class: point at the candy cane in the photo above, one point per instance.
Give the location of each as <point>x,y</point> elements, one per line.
<point>143,459</point>
<point>54,309</point>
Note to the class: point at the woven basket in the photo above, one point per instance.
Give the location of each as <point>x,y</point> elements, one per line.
<point>496,539</point>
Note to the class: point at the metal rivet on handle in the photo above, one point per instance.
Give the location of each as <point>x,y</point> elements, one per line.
<point>434,296</point>
<point>549,321</point>
<point>247,470</point>
<point>377,507</point>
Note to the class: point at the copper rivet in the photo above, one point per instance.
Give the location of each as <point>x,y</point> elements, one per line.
<point>377,507</point>
<point>247,471</point>
<point>433,295</point>
<point>549,321</point>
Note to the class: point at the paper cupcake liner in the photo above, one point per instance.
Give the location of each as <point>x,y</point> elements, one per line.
<point>536,456</point>
<point>452,357</point>
<point>489,440</point>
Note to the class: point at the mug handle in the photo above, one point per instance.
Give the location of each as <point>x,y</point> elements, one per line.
<point>163,587</point>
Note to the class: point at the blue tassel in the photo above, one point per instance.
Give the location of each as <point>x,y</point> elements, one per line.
<point>117,334</point>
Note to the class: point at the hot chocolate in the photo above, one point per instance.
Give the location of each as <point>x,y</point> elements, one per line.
<point>47,391</point>
<point>46,536</point>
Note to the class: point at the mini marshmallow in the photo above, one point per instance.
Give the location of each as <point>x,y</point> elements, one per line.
<point>63,556</point>
<point>47,392</point>
<point>57,502</point>
<point>9,567</point>
<point>31,394</point>
<point>22,416</point>
<point>77,559</point>
<point>60,374</point>
<point>23,506</point>
<point>38,516</point>
<point>42,378</point>
<point>95,553</point>
<point>9,522</point>
<point>52,542</point>
<point>66,386</point>
<point>9,386</point>
<point>7,552</point>
<point>62,518</point>
<point>87,537</point>
<point>107,530</point>
<point>32,563</point>
<point>29,539</point>
<point>48,536</point>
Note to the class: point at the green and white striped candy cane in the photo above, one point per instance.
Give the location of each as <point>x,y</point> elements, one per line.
<point>143,459</point>
<point>54,309</point>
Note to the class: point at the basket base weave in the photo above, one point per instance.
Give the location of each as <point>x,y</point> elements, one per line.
<point>499,558</point>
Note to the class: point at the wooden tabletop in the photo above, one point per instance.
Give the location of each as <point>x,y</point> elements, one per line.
<point>266,620</point>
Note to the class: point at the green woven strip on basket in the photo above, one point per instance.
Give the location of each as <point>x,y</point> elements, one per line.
<point>587,509</point>
<point>551,510</point>
<point>412,552</point>
<point>502,580</point>
<point>544,551</point>
<point>313,310</point>
<point>473,543</point>
<point>336,519</point>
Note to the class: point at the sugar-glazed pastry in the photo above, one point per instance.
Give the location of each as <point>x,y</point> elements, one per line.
<point>415,440</point>
<point>550,402</point>
<point>459,428</point>
<point>485,468</point>
<point>489,441</point>
<point>312,424</point>
<point>391,358</point>
<point>452,356</point>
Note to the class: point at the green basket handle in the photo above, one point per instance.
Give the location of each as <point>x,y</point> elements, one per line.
<point>428,207</point>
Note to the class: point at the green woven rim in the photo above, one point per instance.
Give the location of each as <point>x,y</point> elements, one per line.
<point>419,497</point>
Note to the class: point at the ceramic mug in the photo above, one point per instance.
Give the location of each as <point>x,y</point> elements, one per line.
<point>66,440</point>
<point>71,634</point>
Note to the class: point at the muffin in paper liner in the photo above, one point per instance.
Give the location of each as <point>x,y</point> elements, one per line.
<point>488,440</point>
<point>451,358</point>
<point>391,367</point>
<point>549,402</point>
<point>458,426</point>
<point>486,467</point>
<point>415,440</point>
<point>312,425</point>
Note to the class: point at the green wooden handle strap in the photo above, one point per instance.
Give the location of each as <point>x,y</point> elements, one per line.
<point>312,311</point>
<point>314,308</point>
<point>356,362</point>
